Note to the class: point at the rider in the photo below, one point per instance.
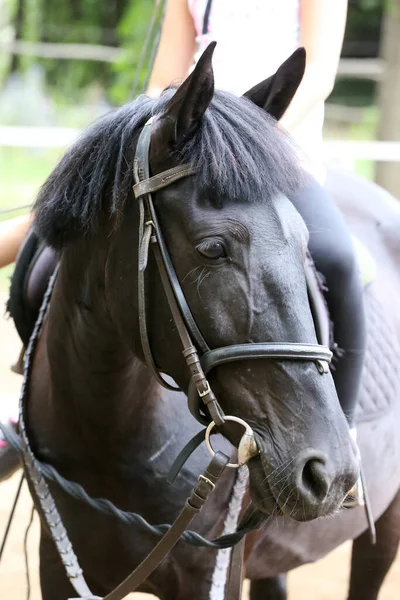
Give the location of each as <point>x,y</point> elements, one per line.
<point>254,38</point>
<point>12,233</point>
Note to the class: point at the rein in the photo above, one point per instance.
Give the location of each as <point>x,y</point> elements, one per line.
<point>203,404</point>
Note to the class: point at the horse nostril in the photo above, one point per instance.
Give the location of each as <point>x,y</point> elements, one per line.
<point>315,479</point>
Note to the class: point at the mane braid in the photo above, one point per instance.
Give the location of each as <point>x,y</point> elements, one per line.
<point>239,151</point>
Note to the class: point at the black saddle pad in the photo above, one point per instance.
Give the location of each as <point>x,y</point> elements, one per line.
<point>34,266</point>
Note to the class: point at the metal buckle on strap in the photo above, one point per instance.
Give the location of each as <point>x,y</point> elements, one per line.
<point>207,481</point>
<point>206,391</point>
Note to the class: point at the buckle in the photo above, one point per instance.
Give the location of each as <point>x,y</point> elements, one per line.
<point>207,481</point>
<point>206,391</point>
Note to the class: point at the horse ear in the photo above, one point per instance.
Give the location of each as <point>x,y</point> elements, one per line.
<point>275,93</point>
<point>189,103</point>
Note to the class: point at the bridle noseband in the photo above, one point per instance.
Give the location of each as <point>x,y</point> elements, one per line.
<point>199,357</point>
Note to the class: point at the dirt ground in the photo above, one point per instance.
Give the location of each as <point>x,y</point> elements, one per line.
<point>326,580</point>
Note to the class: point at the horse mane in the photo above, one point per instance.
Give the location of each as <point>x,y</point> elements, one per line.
<point>240,153</point>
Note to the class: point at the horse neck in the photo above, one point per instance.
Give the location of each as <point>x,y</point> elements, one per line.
<point>93,373</point>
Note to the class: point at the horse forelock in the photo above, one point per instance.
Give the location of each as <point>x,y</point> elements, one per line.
<point>239,151</point>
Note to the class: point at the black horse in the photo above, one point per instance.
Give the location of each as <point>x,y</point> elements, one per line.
<point>95,410</point>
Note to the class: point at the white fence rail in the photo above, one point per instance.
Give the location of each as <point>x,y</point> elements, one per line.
<point>337,150</point>
<point>62,51</point>
<point>344,150</point>
<point>363,68</point>
<point>37,137</point>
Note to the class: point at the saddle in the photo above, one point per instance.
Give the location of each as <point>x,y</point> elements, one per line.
<point>34,266</point>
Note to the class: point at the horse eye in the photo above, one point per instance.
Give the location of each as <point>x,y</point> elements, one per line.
<point>211,249</point>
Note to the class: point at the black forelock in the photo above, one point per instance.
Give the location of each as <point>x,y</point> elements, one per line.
<point>240,153</point>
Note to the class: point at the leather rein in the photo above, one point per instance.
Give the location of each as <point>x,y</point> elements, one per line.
<point>203,404</point>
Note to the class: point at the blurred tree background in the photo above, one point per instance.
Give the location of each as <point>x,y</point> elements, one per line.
<point>75,59</point>
<point>115,28</point>
<point>123,24</point>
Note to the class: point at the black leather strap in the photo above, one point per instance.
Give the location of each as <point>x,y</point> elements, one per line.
<point>144,240</point>
<point>162,180</point>
<point>184,454</point>
<point>198,378</point>
<point>150,231</point>
<point>270,350</point>
<point>277,351</point>
<point>206,19</point>
<point>194,504</point>
<point>179,295</point>
<point>317,303</point>
<point>235,577</point>
<point>142,174</point>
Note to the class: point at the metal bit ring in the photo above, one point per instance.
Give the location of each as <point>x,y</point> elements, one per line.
<point>247,445</point>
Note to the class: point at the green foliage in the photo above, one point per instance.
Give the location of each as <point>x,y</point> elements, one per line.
<point>363,28</point>
<point>353,91</point>
<point>115,23</point>
<point>132,31</point>
<point>370,4</point>
<point>70,21</point>
<point>124,23</point>
<point>362,40</point>
<point>22,172</point>
<point>77,21</point>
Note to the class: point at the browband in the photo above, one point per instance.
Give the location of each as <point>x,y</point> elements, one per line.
<point>162,180</point>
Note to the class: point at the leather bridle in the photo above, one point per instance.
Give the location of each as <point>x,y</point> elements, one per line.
<point>200,360</point>
<point>199,357</point>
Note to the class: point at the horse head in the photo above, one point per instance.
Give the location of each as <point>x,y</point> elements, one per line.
<point>238,247</point>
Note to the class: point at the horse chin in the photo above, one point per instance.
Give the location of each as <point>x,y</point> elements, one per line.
<point>274,503</point>
<point>260,490</point>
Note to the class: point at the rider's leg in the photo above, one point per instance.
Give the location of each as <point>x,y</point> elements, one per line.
<point>12,234</point>
<point>370,563</point>
<point>10,244</point>
<point>332,250</point>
